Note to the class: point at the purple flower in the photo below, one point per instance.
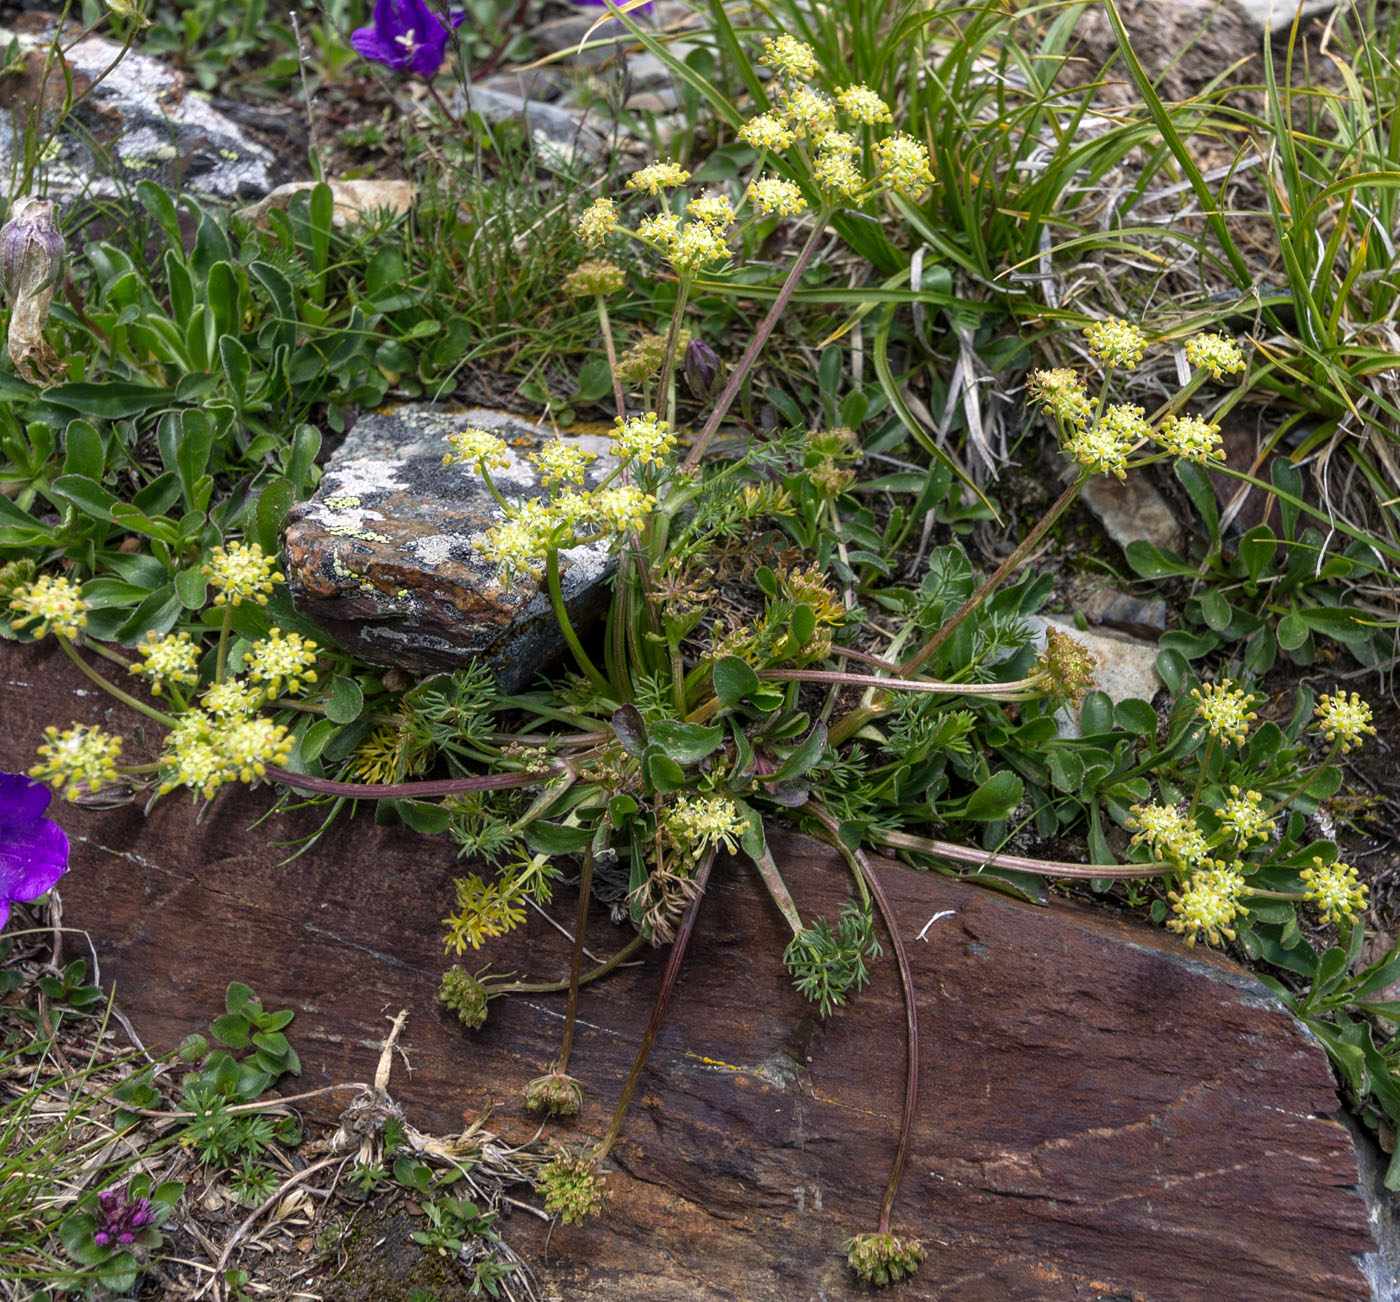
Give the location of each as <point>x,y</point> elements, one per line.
<point>33,850</point>
<point>120,1218</point>
<point>406,35</point>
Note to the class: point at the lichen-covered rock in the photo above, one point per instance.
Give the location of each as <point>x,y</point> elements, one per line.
<point>138,123</point>
<point>384,556</point>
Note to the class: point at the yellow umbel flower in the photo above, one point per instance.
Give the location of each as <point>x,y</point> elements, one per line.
<point>1116,342</point>
<point>695,823</point>
<point>170,659</point>
<point>1218,354</point>
<point>698,245</point>
<point>1334,889</point>
<point>772,194</point>
<point>57,603</point>
<point>712,209</point>
<point>77,758</point>
<point>835,171</point>
<point>241,571</point>
<point>562,463</point>
<point>192,758</point>
<point>1340,719</point>
<point>598,221</point>
<point>863,104</point>
<point>250,745</point>
<point>624,509</point>
<point>1170,834</point>
<point>1243,817</point>
<point>646,439</point>
<point>767,131</point>
<point>809,113</point>
<point>1225,710</point>
<point>1061,392</point>
<point>1191,437</point>
<point>656,177</point>
<point>1207,905</point>
<point>276,659</point>
<point>904,165</point>
<point>232,699</point>
<point>478,447</point>
<point>787,55</point>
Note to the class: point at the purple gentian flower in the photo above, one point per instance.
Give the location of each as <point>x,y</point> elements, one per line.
<point>33,850</point>
<point>406,35</point>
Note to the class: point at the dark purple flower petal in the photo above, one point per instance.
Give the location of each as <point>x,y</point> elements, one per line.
<point>371,45</point>
<point>33,849</point>
<point>22,800</point>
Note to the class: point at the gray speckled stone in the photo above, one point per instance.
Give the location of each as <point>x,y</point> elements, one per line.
<point>384,556</point>
<point>1131,509</point>
<point>147,122</point>
<point>1127,667</point>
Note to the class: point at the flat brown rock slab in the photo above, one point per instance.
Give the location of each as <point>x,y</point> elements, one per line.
<point>1103,1113</point>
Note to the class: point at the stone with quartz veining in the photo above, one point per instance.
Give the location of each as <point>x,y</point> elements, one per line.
<point>135,120</point>
<point>387,555</point>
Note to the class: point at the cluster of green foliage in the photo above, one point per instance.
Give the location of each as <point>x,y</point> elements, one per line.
<point>198,379</point>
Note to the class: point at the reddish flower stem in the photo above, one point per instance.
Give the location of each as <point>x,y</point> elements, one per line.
<point>658,1011</point>
<point>911,1017</point>
<point>401,790</point>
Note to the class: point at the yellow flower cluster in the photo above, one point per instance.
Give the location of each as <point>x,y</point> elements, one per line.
<point>242,572</point>
<point>204,753</point>
<point>594,279</point>
<point>1333,887</point>
<point>55,602</point>
<point>1217,353</point>
<point>170,659</point>
<point>562,463</point>
<point>656,177</point>
<point>644,439</point>
<point>772,194</point>
<point>1207,905</point>
<point>1172,835</point>
<point>477,446</point>
<point>904,165</point>
<point>1061,392</point>
<point>787,55</point>
<point>599,220</point>
<point>77,758</point>
<point>1243,817</point>
<point>279,660</point>
<point>1116,342</point>
<point>1225,710</point>
<point>1342,720</point>
<point>695,823</point>
<point>1191,437</point>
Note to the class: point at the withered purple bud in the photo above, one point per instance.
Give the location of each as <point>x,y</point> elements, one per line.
<point>31,248</point>
<point>31,263</point>
<point>702,370</point>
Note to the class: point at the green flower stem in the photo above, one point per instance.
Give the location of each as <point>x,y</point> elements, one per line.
<point>629,950</point>
<point>665,390</point>
<point>856,719</point>
<point>566,627</point>
<point>221,662</point>
<point>1041,867</point>
<point>605,327</point>
<point>585,887</point>
<point>760,337</point>
<point>112,689</point>
<point>658,1011</point>
<point>911,1015</point>
<point>1332,756</point>
<point>491,486</point>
